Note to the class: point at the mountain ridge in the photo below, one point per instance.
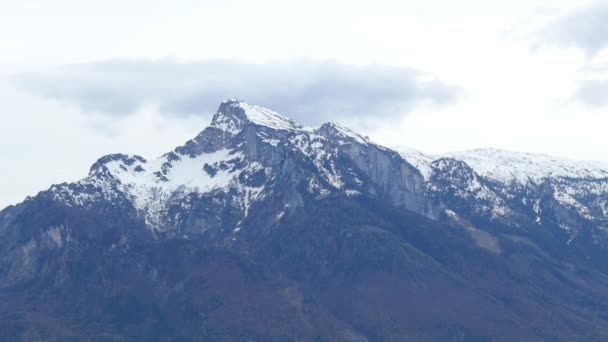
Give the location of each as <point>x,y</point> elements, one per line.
<point>216,158</point>
<point>518,166</point>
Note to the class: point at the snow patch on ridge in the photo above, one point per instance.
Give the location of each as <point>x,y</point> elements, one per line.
<point>346,132</point>
<point>265,117</point>
<point>234,114</point>
<point>507,166</point>
<point>419,160</point>
<point>162,176</point>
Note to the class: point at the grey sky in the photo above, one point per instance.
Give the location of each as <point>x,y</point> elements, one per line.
<point>594,92</point>
<point>585,28</point>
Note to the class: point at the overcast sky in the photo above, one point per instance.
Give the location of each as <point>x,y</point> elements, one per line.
<point>80,79</point>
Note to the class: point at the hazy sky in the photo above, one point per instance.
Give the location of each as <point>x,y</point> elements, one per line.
<point>80,79</point>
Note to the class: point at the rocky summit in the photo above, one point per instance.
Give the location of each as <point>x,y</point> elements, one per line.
<point>261,229</point>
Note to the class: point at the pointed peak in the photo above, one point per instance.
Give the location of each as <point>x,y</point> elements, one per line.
<point>234,114</point>
<point>228,103</point>
<point>344,132</point>
<point>231,99</point>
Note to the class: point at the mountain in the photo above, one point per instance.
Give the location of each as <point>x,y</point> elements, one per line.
<point>523,191</point>
<point>261,229</point>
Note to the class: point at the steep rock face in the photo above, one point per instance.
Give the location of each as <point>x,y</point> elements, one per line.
<point>384,169</point>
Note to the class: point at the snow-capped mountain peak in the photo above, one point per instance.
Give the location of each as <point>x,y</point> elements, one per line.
<point>234,114</point>
<point>241,157</point>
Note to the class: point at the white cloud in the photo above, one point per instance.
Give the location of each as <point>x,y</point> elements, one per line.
<point>585,28</point>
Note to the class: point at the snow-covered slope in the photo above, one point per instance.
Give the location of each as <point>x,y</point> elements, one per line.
<point>518,188</point>
<point>418,159</point>
<point>507,166</point>
<point>233,114</point>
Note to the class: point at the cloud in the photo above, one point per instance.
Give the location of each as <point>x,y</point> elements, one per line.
<point>585,28</point>
<point>308,91</point>
<point>592,86</point>
<point>593,93</point>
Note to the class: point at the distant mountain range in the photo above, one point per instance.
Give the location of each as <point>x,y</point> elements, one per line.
<point>261,229</point>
